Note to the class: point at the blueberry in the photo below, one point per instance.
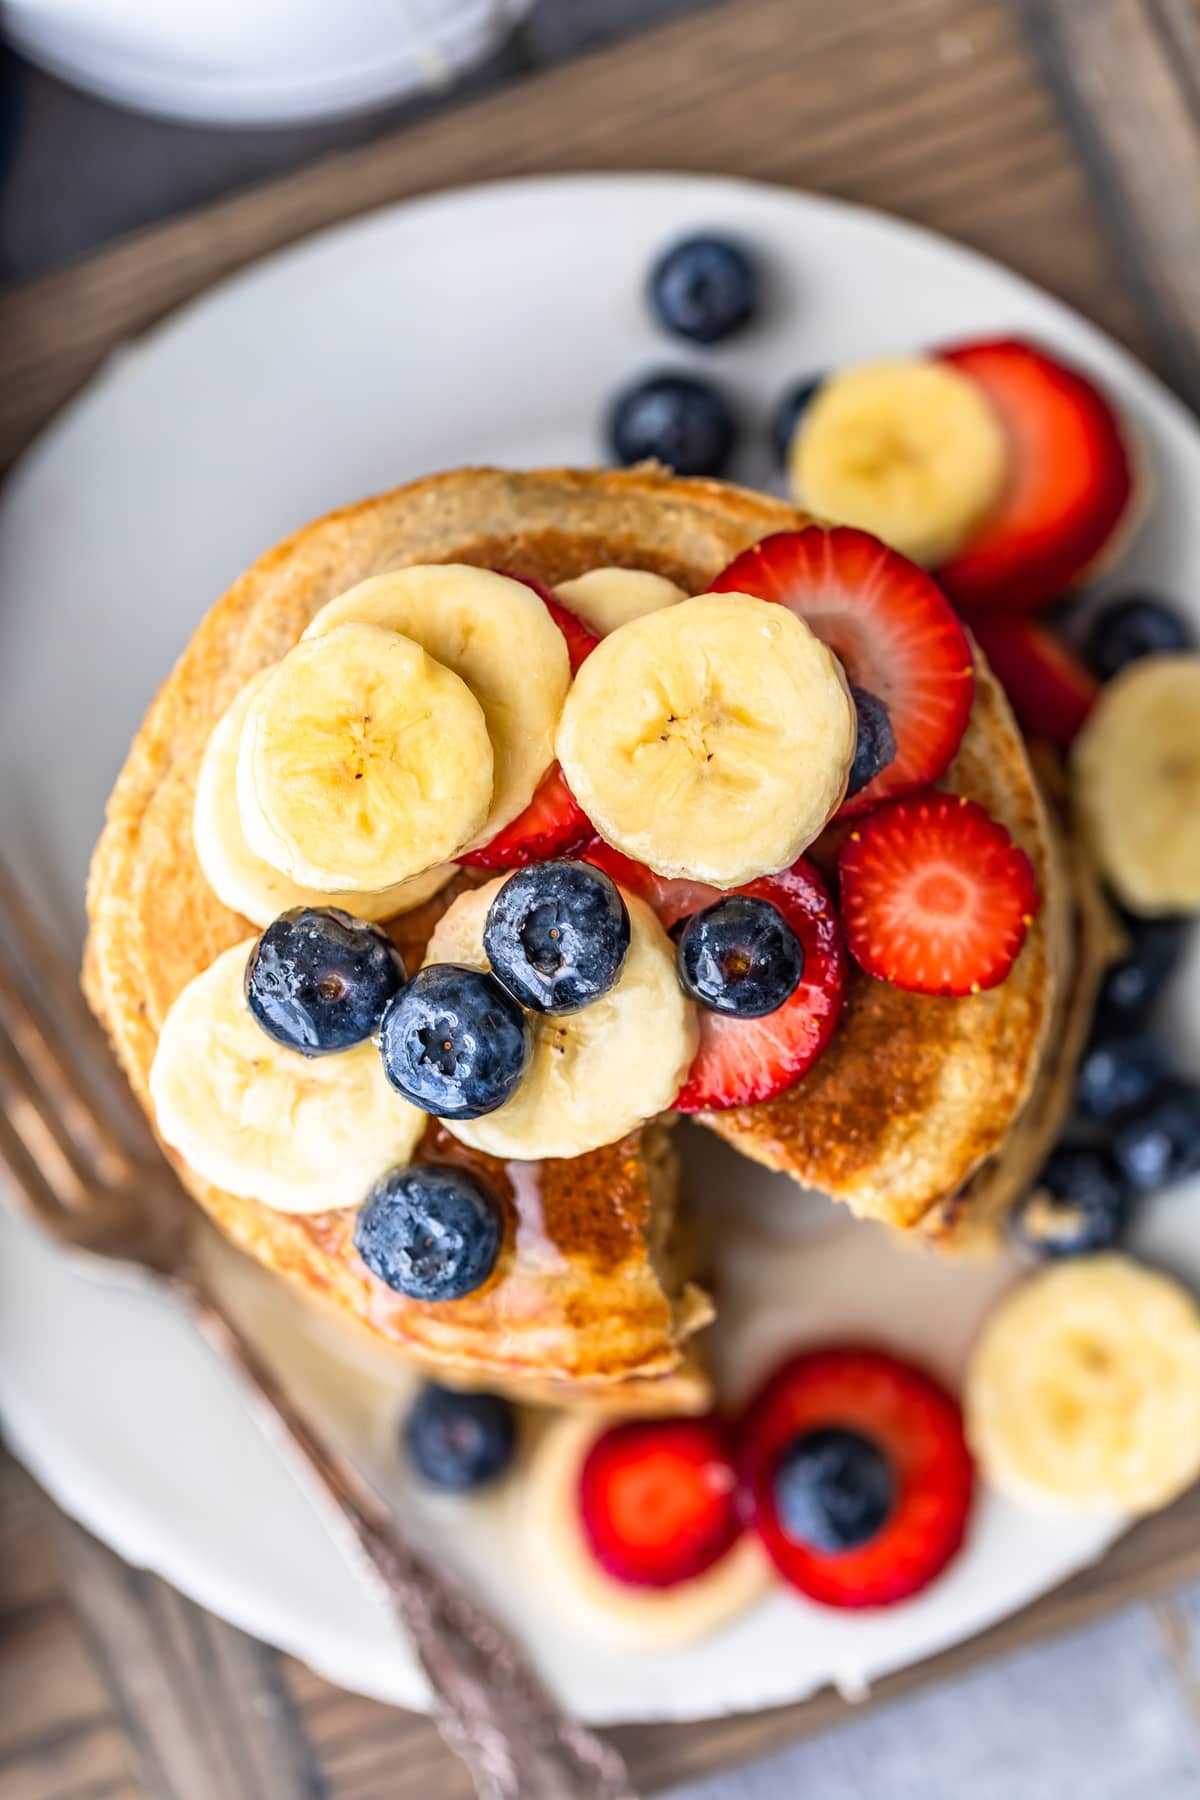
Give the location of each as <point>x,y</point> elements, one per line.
<point>834,1489</point>
<point>459,1441</point>
<point>1079,1202</point>
<point>1132,628</point>
<point>683,422</point>
<point>1162,1144</point>
<point>431,1231</point>
<point>704,288</point>
<point>557,934</point>
<point>1119,1073</point>
<point>1132,985</point>
<point>739,956</point>
<point>454,1042</point>
<point>876,745</point>
<point>318,981</point>
<point>795,402</point>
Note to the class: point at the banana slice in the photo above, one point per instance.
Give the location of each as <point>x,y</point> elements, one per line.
<point>711,740</point>
<point>362,762</point>
<point>587,1599</point>
<point>593,1075</point>
<point>1137,776</point>
<point>499,638</point>
<point>243,881</point>
<point>606,598</point>
<point>909,450</point>
<point>1083,1394</point>
<point>302,1134</point>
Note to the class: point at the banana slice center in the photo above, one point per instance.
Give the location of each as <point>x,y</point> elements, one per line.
<point>1137,767</point>
<point>498,637</point>
<point>711,739</point>
<point>299,1134</point>
<point>363,762</point>
<point>909,449</point>
<point>244,882</point>
<point>1084,1391</point>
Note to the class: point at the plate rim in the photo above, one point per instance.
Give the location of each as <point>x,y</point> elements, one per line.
<point>694,189</point>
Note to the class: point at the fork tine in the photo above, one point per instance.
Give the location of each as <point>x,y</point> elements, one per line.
<point>40,1073</point>
<point>35,1193</point>
<point>40,1111</point>
<point>56,972</point>
<point>62,1084</point>
<point>46,1187</point>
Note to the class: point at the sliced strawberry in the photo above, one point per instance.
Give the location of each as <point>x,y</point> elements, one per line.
<point>581,639</point>
<point>671,900</point>
<point>1070,480</point>
<point>891,628</point>
<point>936,897</point>
<point>744,1060</point>
<point>916,1426</point>
<point>1050,690</point>
<point>658,1500</point>
<point>553,822</point>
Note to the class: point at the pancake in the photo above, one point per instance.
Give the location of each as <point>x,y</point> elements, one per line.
<point>1085,940</point>
<point>915,1093</point>
<point>591,1289</point>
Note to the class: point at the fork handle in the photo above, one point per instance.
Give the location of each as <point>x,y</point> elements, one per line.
<point>491,1707</point>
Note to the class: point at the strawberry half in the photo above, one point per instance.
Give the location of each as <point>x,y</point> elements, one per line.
<point>936,897</point>
<point>581,639</point>
<point>902,1414</point>
<point>1069,486</point>
<point>1049,689</point>
<point>890,627</point>
<point>658,1500</point>
<point>553,822</point>
<point>741,1061</point>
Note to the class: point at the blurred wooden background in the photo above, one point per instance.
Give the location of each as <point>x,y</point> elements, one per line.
<point>1062,136</point>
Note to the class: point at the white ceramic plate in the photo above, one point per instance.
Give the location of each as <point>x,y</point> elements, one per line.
<point>490,324</point>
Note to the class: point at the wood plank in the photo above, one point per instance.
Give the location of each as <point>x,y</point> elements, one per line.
<point>184,1683</point>
<point>1128,77</point>
<point>1059,136</point>
<point>1152,1560</point>
<point>58,1728</point>
<point>203,1706</point>
<point>360,1744</point>
<point>948,125</point>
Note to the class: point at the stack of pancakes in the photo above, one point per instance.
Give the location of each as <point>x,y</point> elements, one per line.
<point>929,1114</point>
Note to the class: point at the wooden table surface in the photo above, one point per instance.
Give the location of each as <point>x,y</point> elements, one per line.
<point>1062,136</point>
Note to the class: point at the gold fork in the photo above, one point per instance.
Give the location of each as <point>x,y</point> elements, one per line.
<point>84,1165</point>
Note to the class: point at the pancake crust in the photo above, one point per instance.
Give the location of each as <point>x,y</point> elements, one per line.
<point>914,1093</point>
<point>589,1292</point>
<point>1085,940</point>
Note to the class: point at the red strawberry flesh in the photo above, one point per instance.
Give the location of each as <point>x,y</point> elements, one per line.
<point>553,822</point>
<point>890,627</point>
<point>1069,485</point>
<point>1048,687</point>
<point>658,1500</point>
<point>917,1426</point>
<point>581,639</point>
<point>936,898</point>
<point>741,1061</point>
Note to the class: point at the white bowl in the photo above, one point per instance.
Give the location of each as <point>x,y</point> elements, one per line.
<point>258,62</point>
